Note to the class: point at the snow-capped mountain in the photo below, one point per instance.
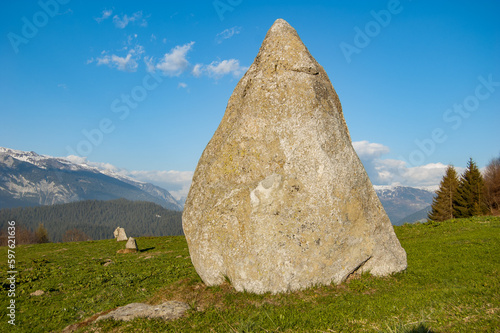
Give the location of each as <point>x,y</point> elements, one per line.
<point>30,179</point>
<point>402,202</point>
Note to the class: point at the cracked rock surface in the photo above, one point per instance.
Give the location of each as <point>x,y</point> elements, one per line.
<point>279,200</point>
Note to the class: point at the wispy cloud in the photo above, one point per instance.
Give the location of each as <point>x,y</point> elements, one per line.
<point>182,85</point>
<point>197,70</point>
<point>127,63</point>
<point>396,172</point>
<point>149,62</point>
<point>105,14</point>
<point>176,182</point>
<point>369,150</point>
<point>226,34</point>
<point>218,69</point>
<point>122,21</point>
<point>174,62</point>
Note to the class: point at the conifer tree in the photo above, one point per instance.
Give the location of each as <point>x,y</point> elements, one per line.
<point>470,198</point>
<point>42,235</point>
<point>442,203</point>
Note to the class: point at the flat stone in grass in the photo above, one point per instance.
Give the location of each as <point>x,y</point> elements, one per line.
<point>37,293</point>
<point>169,310</point>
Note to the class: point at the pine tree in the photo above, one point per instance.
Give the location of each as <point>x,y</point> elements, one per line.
<point>42,235</point>
<point>470,199</point>
<point>442,203</point>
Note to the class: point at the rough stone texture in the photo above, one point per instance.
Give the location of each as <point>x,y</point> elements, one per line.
<point>120,234</point>
<point>280,201</point>
<point>168,311</point>
<point>131,244</point>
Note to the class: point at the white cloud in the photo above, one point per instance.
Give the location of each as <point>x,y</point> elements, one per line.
<point>175,62</point>
<point>197,70</point>
<point>396,172</point>
<point>104,60</point>
<point>122,22</point>
<point>127,63</point>
<point>367,149</point>
<point>176,182</point>
<point>182,85</point>
<point>224,67</point>
<point>124,64</point>
<point>226,34</point>
<point>130,40</point>
<point>390,172</point>
<point>150,66</point>
<point>218,69</point>
<point>105,14</point>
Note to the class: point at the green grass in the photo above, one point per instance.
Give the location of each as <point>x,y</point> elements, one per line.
<point>452,284</point>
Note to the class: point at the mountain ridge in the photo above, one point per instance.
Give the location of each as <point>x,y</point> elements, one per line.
<point>30,179</point>
<point>401,202</point>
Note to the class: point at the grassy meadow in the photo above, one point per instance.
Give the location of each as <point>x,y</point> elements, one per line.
<point>452,284</point>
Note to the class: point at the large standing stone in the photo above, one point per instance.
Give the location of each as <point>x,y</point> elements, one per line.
<point>280,201</point>
<point>120,234</point>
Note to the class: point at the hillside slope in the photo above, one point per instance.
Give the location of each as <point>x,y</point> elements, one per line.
<point>451,285</point>
<point>98,219</point>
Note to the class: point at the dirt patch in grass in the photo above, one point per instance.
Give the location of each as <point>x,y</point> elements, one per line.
<point>196,294</point>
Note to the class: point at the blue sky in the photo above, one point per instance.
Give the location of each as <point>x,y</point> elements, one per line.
<point>141,86</point>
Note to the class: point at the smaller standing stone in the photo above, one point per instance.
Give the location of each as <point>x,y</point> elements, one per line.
<point>130,247</point>
<point>120,234</point>
<point>131,244</point>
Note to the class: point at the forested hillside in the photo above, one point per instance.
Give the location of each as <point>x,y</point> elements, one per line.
<point>97,219</point>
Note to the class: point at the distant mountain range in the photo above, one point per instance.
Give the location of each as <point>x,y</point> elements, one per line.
<point>420,216</point>
<point>405,204</point>
<point>29,179</point>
